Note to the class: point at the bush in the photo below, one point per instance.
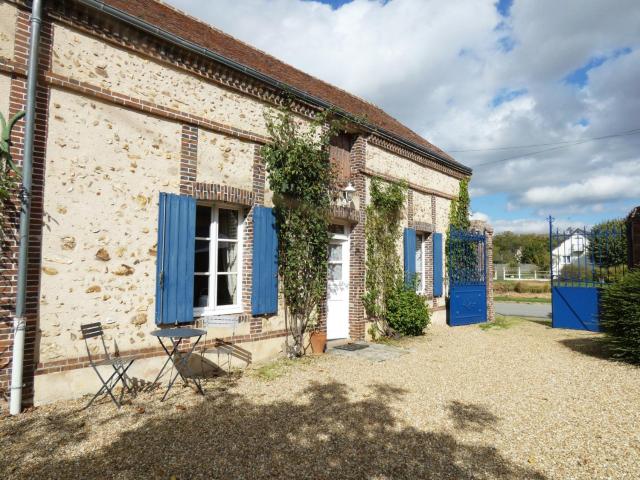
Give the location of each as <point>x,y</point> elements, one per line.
<point>532,287</point>
<point>620,316</point>
<point>407,312</point>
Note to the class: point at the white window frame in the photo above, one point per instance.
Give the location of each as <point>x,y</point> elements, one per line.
<point>423,251</point>
<point>212,299</point>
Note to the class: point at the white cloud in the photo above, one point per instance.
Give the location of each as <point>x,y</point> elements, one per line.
<point>437,66</point>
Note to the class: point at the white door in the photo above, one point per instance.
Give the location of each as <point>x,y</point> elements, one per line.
<point>338,284</point>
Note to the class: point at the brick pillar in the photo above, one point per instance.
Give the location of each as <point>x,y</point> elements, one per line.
<point>633,237</point>
<point>357,264</point>
<point>188,159</point>
<point>488,235</point>
<point>258,187</point>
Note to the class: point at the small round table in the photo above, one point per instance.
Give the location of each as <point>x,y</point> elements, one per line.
<point>176,335</point>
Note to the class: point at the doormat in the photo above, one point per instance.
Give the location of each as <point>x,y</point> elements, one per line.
<point>351,347</point>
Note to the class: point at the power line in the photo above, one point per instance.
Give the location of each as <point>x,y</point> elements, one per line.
<point>558,147</point>
<point>582,140</point>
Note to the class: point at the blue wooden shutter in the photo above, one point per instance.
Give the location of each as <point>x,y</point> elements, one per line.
<point>409,242</point>
<point>437,265</point>
<point>264,288</point>
<point>175,258</point>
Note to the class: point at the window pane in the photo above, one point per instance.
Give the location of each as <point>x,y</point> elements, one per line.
<point>339,229</point>
<point>335,272</point>
<point>203,221</point>
<point>201,291</point>
<point>227,286</point>
<point>228,224</point>
<point>335,252</point>
<point>202,256</point>
<point>227,257</point>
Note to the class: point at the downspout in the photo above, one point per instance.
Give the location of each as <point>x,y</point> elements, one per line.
<point>19,321</point>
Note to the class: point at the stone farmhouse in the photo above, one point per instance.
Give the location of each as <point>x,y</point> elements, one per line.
<point>149,121</point>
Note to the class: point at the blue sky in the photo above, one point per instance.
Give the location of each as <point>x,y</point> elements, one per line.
<point>529,93</point>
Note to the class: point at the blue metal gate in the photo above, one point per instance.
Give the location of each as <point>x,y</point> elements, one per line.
<point>583,262</point>
<point>467,270</point>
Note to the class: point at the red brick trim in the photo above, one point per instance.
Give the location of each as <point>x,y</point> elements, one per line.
<point>17,102</point>
<point>410,208</point>
<point>223,193</point>
<point>188,159</point>
<point>412,186</point>
<point>259,175</point>
<point>357,252</point>
<point>430,250</point>
<point>148,352</point>
<point>414,157</point>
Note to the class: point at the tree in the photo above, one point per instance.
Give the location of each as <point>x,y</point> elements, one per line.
<point>300,176</point>
<point>608,243</point>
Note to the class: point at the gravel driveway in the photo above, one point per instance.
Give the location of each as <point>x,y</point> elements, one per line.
<point>526,402</point>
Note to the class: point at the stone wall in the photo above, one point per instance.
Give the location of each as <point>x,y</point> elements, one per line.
<point>224,160</point>
<point>386,163</point>
<point>421,207</point>
<point>105,169</point>
<point>98,63</point>
<point>5,87</point>
<point>8,17</point>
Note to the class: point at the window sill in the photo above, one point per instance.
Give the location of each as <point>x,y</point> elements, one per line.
<point>203,312</point>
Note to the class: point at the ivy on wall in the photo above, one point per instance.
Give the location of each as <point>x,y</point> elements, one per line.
<point>383,264</point>
<point>301,178</point>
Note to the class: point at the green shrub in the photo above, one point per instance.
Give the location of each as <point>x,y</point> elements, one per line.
<point>620,316</point>
<point>407,312</point>
<point>532,287</point>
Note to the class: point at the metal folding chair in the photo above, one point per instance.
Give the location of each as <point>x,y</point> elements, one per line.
<point>221,347</point>
<point>119,364</point>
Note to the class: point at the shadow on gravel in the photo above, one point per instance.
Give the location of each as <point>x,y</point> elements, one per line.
<point>593,347</point>
<point>329,434</point>
<point>469,416</point>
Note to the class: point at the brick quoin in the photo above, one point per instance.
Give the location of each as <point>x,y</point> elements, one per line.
<point>17,102</point>
<point>357,264</point>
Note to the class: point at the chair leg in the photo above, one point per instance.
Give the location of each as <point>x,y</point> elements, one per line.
<point>105,387</point>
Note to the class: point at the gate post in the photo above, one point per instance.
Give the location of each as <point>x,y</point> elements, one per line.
<point>488,234</point>
<point>487,230</point>
<point>633,237</point>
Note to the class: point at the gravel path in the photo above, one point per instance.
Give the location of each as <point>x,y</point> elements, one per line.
<point>527,402</point>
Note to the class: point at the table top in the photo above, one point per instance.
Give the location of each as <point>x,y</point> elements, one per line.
<point>182,332</point>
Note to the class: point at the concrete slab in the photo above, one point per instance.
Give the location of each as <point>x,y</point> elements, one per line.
<point>373,352</point>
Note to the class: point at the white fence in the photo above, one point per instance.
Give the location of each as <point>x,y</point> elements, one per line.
<point>516,274</point>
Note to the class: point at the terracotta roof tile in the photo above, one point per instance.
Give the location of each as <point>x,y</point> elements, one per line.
<point>188,28</point>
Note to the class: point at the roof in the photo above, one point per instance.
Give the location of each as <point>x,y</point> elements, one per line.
<point>179,24</point>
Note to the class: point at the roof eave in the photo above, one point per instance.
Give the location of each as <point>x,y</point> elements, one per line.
<point>304,96</point>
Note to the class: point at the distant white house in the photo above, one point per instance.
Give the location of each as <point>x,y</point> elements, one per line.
<point>571,250</point>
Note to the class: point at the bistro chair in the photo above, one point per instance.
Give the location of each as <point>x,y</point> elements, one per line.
<point>221,347</point>
<point>119,364</point>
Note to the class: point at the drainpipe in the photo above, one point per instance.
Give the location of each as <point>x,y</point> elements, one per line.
<point>19,321</point>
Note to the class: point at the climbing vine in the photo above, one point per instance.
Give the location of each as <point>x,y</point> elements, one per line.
<point>459,213</point>
<point>301,178</point>
<point>9,172</point>
<point>465,255</point>
<point>383,265</point>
